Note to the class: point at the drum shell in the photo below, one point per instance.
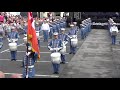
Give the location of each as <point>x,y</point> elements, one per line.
<point>63,51</point>
<point>37,34</point>
<point>13,46</point>
<point>74,42</point>
<point>56,57</point>
<point>25,39</point>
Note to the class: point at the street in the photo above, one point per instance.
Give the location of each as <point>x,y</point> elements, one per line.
<point>43,67</point>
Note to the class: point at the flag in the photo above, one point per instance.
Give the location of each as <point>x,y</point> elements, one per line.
<point>31,34</point>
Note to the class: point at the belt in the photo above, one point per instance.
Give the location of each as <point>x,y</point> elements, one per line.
<point>31,66</point>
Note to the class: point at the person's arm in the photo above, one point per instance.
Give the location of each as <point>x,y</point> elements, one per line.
<point>49,45</point>
<point>60,45</point>
<point>117,29</point>
<point>48,28</point>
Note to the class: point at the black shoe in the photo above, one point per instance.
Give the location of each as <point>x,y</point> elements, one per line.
<point>62,62</point>
<point>57,73</point>
<point>70,53</point>
<point>22,66</point>
<point>54,73</point>
<point>12,59</point>
<point>73,53</point>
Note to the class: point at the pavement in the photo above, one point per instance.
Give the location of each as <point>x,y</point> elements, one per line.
<point>43,67</point>
<point>96,58</point>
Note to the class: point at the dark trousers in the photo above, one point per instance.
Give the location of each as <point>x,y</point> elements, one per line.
<point>113,39</point>
<point>62,58</point>
<point>46,35</point>
<point>13,54</point>
<point>72,49</point>
<point>56,67</point>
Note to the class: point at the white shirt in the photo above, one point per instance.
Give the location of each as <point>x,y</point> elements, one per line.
<point>114,28</point>
<point>45,26</point>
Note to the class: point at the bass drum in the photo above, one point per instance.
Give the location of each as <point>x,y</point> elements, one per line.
<point>37,34</point>
<point>63,51</point>
<point>13,46</point>
<point>56,57</point>
<point>25,39</point>
<point>74,42</point>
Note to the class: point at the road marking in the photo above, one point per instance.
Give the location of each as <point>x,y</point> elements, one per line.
<point>37,75</point>
<point>40,52</point>
<point>22,60</point>
<point>8,49</point>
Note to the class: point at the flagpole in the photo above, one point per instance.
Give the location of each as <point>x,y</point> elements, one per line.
<point>27,57</point>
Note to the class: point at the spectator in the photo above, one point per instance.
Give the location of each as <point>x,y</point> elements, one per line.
<point>2,75</point>
<point>16,76</point>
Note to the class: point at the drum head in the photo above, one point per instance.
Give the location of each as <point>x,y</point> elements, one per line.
<point>56,54</point>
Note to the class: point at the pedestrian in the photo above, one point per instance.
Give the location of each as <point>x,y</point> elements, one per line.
<point>13,37</point>
<point>75,26</point>
<point>16,76</point>
<point>64,37</point>
<point>46,29</point>
<point>2,75</point>
<point>1,34</point>
<point>55,45</point>
<point>114,31</point>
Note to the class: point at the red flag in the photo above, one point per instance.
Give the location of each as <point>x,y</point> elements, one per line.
<point>31,33</point>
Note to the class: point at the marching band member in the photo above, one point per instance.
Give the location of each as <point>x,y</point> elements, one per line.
<point>114,31</point>
<point>70,33</point>
<point>64,39</point>
<point>25,26</point>
<point>28,63</point>
<point>13,35</point>
<point>90,23</point>
<point>75,26</point>
<point>53,46</point>
<point>82,31</point>
<point>54,26</point>
<point>46,29</point>
<point>51,30</point>
<point>1,34</point>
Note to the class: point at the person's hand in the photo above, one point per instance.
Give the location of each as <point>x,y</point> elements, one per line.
<point>65,42</point>
<point>51,49</point>
<point>28,53</point>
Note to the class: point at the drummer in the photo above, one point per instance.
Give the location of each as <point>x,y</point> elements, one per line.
<point>13,35</point>
<point>55,43</point>
<point>64,39</point>
<point>70,33</point>
<point>75,26</point>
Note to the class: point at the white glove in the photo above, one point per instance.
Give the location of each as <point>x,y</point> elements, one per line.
<point>28,53</point>
<point>70,37</point>
<point>51,49</point>
<point>16,39</point>
<point>65,42</point>
<point>48,30</point>
<point>9,40</point>
<point>57,49</point>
